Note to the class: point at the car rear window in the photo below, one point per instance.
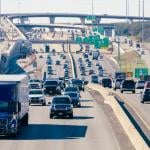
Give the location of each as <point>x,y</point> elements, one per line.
<point>51,83</point>
<point>61,100</point>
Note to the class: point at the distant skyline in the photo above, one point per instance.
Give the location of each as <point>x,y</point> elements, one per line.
<point>112,7</point>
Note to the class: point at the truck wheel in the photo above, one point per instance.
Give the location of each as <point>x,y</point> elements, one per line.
<point>142,101</point>
<point>51,116</point>
<point>121,91</point>
<point>71,116</point>
<point>26,120</point>
<point>133,92</point>
<point>114,89</point>
<point>44,104</point>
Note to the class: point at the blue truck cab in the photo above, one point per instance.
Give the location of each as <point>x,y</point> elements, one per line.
<point>14,103</point>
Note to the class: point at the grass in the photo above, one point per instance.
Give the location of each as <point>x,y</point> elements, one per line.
<point>130,61</point>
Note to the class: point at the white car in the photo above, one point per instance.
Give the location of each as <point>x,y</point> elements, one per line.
<point>36,96</point>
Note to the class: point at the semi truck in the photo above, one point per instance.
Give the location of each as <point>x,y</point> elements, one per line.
<point>14,104</point>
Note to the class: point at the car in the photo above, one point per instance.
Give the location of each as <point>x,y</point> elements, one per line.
<point>49,71</point>
<point>94,79</point>
<point>75,97</point>
<point>106,82</point>
<point>64,57</point>
<point>77,83</point>
<point>89,64</point>
<point>79,59</point>
<point>147,84</point>
<point>127,85</point>
<point>34,85</point>
<point>101,73</point>
<point>40,56</point>
<point>140,84</point>
<point>117,83</point>
<point>145,95</point>
<point>91,71</point>
<point>61,106</point>
<point>36,96</point>
<point>82,73</point>
<point>49,67</point>
<point>52,86</point>
<point>65,65</point>
<point>57,62</point>
<point>71,89</point>
<point>48,62</point>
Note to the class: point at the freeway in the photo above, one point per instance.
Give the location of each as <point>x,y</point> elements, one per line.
<point>91,128</point>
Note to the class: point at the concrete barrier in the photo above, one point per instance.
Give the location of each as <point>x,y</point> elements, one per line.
<point>130,130</point>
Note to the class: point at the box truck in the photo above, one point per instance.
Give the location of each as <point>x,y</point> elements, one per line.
<point>14,104</point>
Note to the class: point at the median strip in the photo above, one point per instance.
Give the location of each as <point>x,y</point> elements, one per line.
<point>129,128</point>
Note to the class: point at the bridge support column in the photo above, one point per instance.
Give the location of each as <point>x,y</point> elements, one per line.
<point>113,33</point>
<point>23,20</point>
<point>52,21</point>
<point>82,21</point>
<point>97,21</point>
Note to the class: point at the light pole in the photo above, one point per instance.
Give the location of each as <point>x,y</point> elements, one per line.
<point>92,13</point>
<point>143,25</point>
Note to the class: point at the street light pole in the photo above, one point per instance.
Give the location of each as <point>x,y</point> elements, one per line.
<point>92,13</point>
<point>143,25</point>
<point>119,57</point>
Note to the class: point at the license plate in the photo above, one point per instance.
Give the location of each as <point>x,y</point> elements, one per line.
<point>60,113</point>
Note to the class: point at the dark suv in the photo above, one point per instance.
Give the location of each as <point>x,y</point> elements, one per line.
<point>52,87</point>
<point>61,106</point>
<point>128,85</point>
<point>78,83</point>
<point>145,95</point>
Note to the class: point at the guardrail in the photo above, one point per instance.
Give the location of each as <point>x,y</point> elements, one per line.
<point>74,73</point>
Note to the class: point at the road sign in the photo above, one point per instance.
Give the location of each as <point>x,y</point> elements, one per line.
<point>140,72</point>
<point>91,18</point>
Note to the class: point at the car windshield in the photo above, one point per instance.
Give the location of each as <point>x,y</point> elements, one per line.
<point>119,80</point>
<point>51,83</point>
<point>61,100</point>
<point>76,81</point>
<point>36,92</point>
<point>6,106</point>
<point>147,91</point>
<point>128,82</point>
<point>71,94</point>
<point>71,89</point>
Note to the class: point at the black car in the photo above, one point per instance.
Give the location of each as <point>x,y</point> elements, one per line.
<point>78,83</point>
<point>127,85</point>
<point>106,82</point>
<point>61,106</point>
<point>52,87</point>
<point>145,95</point>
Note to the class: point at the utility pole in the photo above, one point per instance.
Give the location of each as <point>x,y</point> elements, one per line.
<point>127,15</point>
<point>119,56</point>
<point>143,25</point>
<point>92,13</point>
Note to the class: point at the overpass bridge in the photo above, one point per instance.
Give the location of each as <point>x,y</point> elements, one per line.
<point>25,16</point>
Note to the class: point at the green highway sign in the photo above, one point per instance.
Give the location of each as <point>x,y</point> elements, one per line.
<point>140,72</point>
<point>91,18</point>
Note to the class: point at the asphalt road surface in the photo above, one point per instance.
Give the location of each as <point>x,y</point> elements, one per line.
<point>90,128</point>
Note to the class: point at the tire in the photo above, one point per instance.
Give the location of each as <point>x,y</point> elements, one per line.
<point>133,92</point>
<point>142,101</point>
<point>121,91</point>
<point>26,120</point>
<point>114,89</point>
<point>51,116</point>
<point>71,116</point>
<point>44,104</point>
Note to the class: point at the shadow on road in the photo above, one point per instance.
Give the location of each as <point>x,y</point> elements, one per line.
<point>51,132</point>
<point>82,117</point>
<point>86,100</point>
<point>86,107</point>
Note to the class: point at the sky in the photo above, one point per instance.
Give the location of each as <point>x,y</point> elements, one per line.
<point>110,7</point>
